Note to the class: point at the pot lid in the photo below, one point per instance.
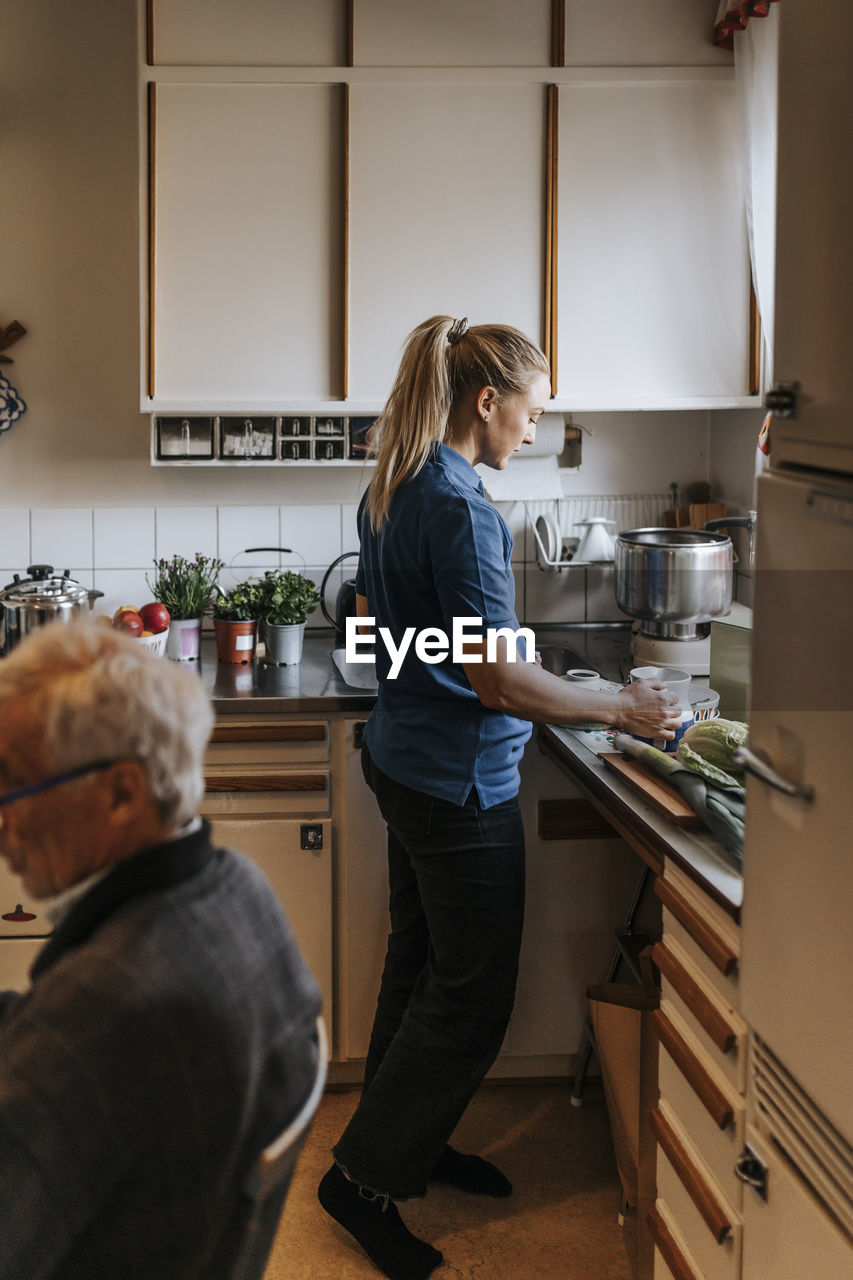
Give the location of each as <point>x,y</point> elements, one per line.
<point>43,586</point>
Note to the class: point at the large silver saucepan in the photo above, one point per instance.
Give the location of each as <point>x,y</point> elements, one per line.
<point>674,576</point>
<point>43,597</point>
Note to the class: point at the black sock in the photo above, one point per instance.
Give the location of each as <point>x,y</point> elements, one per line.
<point>470,1173</point>
<point>382,1234</point>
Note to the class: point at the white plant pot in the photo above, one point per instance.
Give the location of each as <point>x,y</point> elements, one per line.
<point>284,643</point>
<point>184,640</point>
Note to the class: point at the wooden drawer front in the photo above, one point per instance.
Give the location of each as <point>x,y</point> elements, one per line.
<point>727,985</point>
<point>713,946</point>
<point>242,741</point>
<point>675,1038</point>
<point>721,1031</point>
<point>709,1224</point>
<point>266,791</point>
<point>673,1259</point>
<point>720,1148</point>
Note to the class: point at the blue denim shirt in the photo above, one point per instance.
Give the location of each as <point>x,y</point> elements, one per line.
<point>443,552</point>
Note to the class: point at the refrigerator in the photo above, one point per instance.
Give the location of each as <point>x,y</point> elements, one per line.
<point>797,925</point>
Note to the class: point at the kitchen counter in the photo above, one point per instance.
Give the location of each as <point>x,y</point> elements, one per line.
<point>315,685</point>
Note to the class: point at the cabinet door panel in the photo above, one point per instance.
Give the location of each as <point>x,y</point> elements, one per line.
<point>446,214</point>
<point>445,33</point>
<point>260,33</point>
<point>653,274</point>
<point>246,242</point>
<point>301,880</point>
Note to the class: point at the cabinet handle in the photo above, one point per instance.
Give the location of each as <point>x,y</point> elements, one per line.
<point>713,1214</point>
<point>752,763</point>
<point>697,1076</point>
<point>669,1248</point>
<point>721,955</point>
<point>266,782</point>
<point>707,1014</point>
<point>245,732</point>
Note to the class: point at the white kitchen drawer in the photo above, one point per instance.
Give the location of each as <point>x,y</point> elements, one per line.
<point>12,897</point>
<point>709,1224</point>
<point>720,1148</point>
<point>672,1257</point>
<point>256,790</point>
<point>718,1028</point>
<point>715,950</point>
<point>243,740</point>
<point>16,958</point>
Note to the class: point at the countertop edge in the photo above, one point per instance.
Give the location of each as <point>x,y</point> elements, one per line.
<point>653,836</point>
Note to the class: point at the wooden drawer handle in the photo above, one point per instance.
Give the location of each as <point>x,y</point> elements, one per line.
<point>266,782</point>
<point>668,1245</point>
<point>268,732</point>
<point>707,1014</point>
<point>716,949</point>
<point>715,1217</point>
<point>701,1082</point>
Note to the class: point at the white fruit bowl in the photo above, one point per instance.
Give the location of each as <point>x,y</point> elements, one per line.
<point>156,644</point>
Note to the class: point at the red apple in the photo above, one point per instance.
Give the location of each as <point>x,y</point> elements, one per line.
<point>128,620</point>
<point>155,616</point>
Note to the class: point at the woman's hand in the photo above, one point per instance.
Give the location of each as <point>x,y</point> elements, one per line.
<point>648,708</point>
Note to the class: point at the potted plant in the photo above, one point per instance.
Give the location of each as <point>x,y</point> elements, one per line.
<point>185,587</point>
<point>235,620</point>
<point>287,599</point>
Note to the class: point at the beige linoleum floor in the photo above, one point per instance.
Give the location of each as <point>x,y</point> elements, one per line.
<point>559,1223</point>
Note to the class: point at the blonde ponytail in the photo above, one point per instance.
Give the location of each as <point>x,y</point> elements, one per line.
<point>442,361</point>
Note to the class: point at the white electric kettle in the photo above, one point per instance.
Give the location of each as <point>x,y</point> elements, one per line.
<point>597,542</point>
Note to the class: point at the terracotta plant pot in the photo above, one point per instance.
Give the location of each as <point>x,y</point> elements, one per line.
<point>235,641</point>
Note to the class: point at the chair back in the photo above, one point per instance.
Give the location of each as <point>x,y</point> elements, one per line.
<point>268,1181</point>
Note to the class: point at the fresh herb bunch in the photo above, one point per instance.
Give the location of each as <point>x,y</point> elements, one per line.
<point>185,586</point>
<point>287,598</point>
<point>243,603</point>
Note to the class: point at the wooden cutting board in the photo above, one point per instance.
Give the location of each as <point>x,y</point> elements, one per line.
<point>662,794</point>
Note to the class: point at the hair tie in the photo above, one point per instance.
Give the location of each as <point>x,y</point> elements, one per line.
<point>457,330</point>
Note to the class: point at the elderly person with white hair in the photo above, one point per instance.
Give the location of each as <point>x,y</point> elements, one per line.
<point>169,1030</point>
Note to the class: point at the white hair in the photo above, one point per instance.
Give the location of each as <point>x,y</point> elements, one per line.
<point>96,694</point>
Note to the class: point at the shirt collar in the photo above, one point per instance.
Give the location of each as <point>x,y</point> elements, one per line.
<point>458,466</point>
<point>57,907</point>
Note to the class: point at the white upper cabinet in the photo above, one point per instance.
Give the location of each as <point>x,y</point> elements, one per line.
<point>653,278</point>
<point>637,33</point>
<point>221,33</point>
<point>246,243</point>
<point>446,214</point>
<point>451,33</point>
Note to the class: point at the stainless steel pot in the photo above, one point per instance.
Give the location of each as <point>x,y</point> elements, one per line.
<point>27,603</point>
<point>674,576</point>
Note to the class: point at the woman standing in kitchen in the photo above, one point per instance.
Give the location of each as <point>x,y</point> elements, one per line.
<point>442,749</point>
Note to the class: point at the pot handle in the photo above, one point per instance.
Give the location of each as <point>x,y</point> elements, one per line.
<point>94,594</point>
<point>331,621</point>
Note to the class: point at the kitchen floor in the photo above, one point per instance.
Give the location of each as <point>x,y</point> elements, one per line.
<point>560,1221</point>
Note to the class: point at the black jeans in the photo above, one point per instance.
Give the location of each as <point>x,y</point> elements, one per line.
<point>456,876</point>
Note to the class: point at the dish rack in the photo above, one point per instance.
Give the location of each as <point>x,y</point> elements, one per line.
<point>554,550</point>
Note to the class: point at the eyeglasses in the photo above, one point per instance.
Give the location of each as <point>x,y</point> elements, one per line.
<point>56,780</point>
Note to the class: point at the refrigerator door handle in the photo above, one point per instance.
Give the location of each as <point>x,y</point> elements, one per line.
<point>752,763</point>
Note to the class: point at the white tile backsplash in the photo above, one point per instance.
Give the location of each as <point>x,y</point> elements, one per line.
<point>121,586</point>
<point>185,531</point>
<point>124,536</point>
<point>15,537</point>
<point>242,527</point>
<point>314,532</point>
<point>117,546</point>
<point>61,537</point>
<point>349,527</point>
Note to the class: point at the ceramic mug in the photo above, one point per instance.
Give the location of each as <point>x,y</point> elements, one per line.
<point>678,682</point>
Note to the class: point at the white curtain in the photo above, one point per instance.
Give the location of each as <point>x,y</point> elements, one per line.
<point>756,74</point>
